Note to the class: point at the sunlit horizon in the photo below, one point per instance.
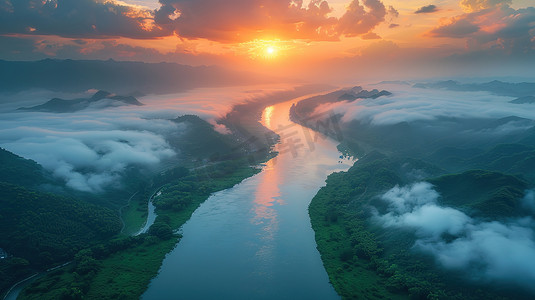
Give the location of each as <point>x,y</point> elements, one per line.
<point>295,38</point>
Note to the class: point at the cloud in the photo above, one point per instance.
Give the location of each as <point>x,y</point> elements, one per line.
<point>475,5</point>
<point>489,251</point>
<point>415,206</point>
<point>426,9</point>
<point>78,19</point>
<point>217,20</point>
<point>244,20</point>
<point>360,19</point>
<point>90,150</point>
<point>370,36</point>
<point>457,28</point>
<point>486,251</point>
<point>496,28</point>
<point>90,160</point>
<point>392,12</point>
<point>409,104</point>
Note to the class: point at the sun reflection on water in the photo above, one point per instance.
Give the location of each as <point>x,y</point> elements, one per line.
<point>266,116</point>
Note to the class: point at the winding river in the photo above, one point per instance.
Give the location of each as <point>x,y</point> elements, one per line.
<point>255,241</point>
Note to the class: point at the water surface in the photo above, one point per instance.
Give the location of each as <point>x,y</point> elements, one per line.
<point>255,241</point>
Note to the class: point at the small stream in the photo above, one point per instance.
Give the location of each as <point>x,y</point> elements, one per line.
<point>151,216</point>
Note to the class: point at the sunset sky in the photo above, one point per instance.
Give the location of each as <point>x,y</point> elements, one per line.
<point>414,38</point>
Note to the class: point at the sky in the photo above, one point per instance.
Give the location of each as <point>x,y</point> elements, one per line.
<point>378,38</point>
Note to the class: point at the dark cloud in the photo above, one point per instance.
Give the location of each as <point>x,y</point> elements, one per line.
<point>426,9</point>
<point>243,20</point>
<point>501,27</point>
<point>77,19</point>
<point>393,12</point>
<point>393,25</point>
<point>217,20</point>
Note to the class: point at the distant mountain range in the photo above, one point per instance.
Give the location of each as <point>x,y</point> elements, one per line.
<point>100,99</point>
<point>496,87</point>
<point>124,77</point>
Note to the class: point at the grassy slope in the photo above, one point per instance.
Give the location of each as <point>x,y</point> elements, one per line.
<point>134,214</point>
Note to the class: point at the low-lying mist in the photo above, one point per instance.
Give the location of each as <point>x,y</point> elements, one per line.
<point>486,251</point>
<point>91,149</point>
<point>408,104</point>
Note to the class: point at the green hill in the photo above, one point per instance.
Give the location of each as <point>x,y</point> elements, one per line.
<point>200,140</point>
<point>39,229</point>
<point>483,193</point>
<point>44,228</point>
<point>17,170</point>
<point>364,258</point>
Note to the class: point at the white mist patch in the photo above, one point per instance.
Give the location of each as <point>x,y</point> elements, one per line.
<point>210,104</point>
<point>487,251</point>
<point>415,207</point>
<point>490,251</point>
<point>88,160</point>
<point>408,104</point>
<point>90,149</point>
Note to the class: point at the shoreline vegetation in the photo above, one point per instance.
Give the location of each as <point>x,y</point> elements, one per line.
<point>365,259</point>
<point>123,267</point>
<point>362,258</point>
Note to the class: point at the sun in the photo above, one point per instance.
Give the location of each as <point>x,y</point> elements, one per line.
<point>271,51</point>
<point>266,49</point>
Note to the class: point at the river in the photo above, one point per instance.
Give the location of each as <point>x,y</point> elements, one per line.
<point>255,241</point>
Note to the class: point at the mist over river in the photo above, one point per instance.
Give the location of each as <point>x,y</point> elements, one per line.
<point>255,241</point>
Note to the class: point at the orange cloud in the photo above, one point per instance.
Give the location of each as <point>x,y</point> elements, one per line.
<point>475,5</point>
<point>230,21</point>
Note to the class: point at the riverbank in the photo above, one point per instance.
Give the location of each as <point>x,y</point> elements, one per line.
<point>364,258</point>
<point>254,241</point>
<point>126,272</point>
